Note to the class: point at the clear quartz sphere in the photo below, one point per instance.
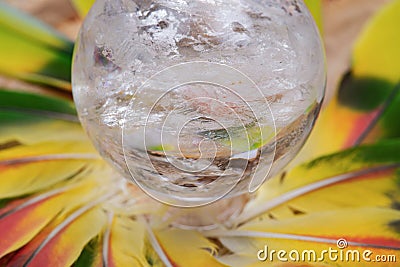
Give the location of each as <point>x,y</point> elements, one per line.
<point>202,99</point>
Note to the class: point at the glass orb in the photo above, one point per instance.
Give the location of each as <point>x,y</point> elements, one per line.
<point>198,100</point>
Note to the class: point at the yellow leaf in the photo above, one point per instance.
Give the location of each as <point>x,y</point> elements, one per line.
<point>22,179</point>
<point>126,242</point>
<point>376,53</point>
<point>83,6</point>
<point>47,151</point>
<point>187,248</point>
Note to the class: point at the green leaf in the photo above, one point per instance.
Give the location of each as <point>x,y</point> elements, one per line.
<point>15,106</point>
<point>30,118</point>
<point>31,101</point>
<point>91,255</point>
<point>365,93</point>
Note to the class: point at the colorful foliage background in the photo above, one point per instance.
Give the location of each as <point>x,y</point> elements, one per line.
<point>61,205</point>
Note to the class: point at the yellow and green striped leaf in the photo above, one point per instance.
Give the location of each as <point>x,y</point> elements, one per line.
<point>32,51</point>
<point>335,181</point>
<point>29,118</point>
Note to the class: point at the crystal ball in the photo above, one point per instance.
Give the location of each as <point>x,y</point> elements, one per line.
<point>198,100</point>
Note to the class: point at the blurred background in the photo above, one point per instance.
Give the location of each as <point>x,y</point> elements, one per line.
<point>343,20</point>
